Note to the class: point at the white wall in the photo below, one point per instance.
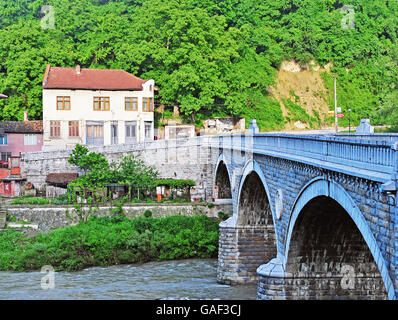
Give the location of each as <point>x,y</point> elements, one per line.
<point>82,110</point>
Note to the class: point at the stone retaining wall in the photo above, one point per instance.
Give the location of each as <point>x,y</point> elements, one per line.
<point>52,217</point>
<point>174,159</point>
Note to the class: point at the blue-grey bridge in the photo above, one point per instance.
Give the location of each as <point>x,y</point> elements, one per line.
<point>314,217</point>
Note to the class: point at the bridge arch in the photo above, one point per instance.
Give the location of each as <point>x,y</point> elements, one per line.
<point>252,168</point>
<point>333,197</point>
<point>255,214</point>
<point>222,179</point>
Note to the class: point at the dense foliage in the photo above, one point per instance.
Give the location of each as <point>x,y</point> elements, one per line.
<point>211,57</point>
<point>98,173</point>
<point>110,241</point>
<point>176,183</point>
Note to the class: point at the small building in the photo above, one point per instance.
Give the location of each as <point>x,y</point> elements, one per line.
<point>224,125</point>
<point>17,137</point>
<point>96,107</point>
<point>179,131</point>
<point>20,136</point>
<point>57,183</point>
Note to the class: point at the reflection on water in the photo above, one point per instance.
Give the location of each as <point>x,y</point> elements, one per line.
<point>193,279</point>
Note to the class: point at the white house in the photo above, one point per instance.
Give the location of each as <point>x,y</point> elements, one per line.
<point>95,107</point>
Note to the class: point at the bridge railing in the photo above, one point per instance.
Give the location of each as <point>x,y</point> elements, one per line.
<point>380,156</point>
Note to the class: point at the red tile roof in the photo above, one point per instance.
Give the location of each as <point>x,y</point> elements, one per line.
<point>35,126</point>
<point>61,178</point>
<point>90,79</point>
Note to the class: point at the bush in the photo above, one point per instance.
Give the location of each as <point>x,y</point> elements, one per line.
<point>109,241</point>
<point>33,200</point>
<point>175,183</point>
<point>297,113</point>
<point>62,199</point>
<point>222,215</point>
<point>148,213</point>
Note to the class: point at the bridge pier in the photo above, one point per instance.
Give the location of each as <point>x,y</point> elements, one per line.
<point>242,249</point>
<point>276,284</point>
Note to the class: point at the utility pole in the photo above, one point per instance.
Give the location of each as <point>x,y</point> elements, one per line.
<point>349,120</point>
<point>335,106</point>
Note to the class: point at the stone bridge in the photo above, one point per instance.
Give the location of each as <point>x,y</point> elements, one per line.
<point>315,217</point>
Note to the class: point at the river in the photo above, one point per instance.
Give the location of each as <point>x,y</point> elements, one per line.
<point>181,279</point>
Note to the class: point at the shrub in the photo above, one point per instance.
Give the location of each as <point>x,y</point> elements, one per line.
<point>222,215</point>
<point>62,199</point>
<point>175,183</point>
<point>107,241</point>
<point>32,200</point>
<point>148,213</point>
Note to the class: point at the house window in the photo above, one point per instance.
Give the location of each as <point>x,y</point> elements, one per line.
<point>55,129</point>
<point>148,130</point>
<point>4,156</point>
<point>131,131</point>
<point>147,104</point>
<point>101,103</point>
<point>30,139</point>
<point>63,103</point>
<point>95,133</point>
<point>114,132</point>
<point>4,140</point>
<point>73,128</point>
<point>131,103</point>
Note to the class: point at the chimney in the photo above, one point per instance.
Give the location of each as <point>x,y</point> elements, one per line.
<point>77,69</point>
<point>25,116</point>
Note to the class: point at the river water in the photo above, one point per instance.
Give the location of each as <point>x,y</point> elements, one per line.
<point>181,279</point>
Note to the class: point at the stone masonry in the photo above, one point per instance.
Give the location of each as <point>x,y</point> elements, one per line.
<point>297,177</point>
<point>355,175</point>
<point>175,159</point>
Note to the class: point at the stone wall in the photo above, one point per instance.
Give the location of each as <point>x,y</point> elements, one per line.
<point>241,250</point>
<point>52,217</point>
<point>175,159</point>
<point>320,288</point>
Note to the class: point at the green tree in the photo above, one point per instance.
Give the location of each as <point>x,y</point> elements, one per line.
<point>86,160</point>
<point>132,171</point>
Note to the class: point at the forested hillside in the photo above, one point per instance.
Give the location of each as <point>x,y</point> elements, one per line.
<point>210,57</point>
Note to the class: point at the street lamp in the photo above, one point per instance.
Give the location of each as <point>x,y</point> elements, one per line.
<point>349,120</point>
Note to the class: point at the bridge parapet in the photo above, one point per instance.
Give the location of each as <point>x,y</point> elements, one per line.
<point>368,158</point>
<point>392,137</point>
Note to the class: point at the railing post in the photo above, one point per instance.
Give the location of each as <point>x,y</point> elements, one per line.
<point>325,149</point>
<point>395,157</point>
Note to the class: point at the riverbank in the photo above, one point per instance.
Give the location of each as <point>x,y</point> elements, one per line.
<point>109,241</point>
